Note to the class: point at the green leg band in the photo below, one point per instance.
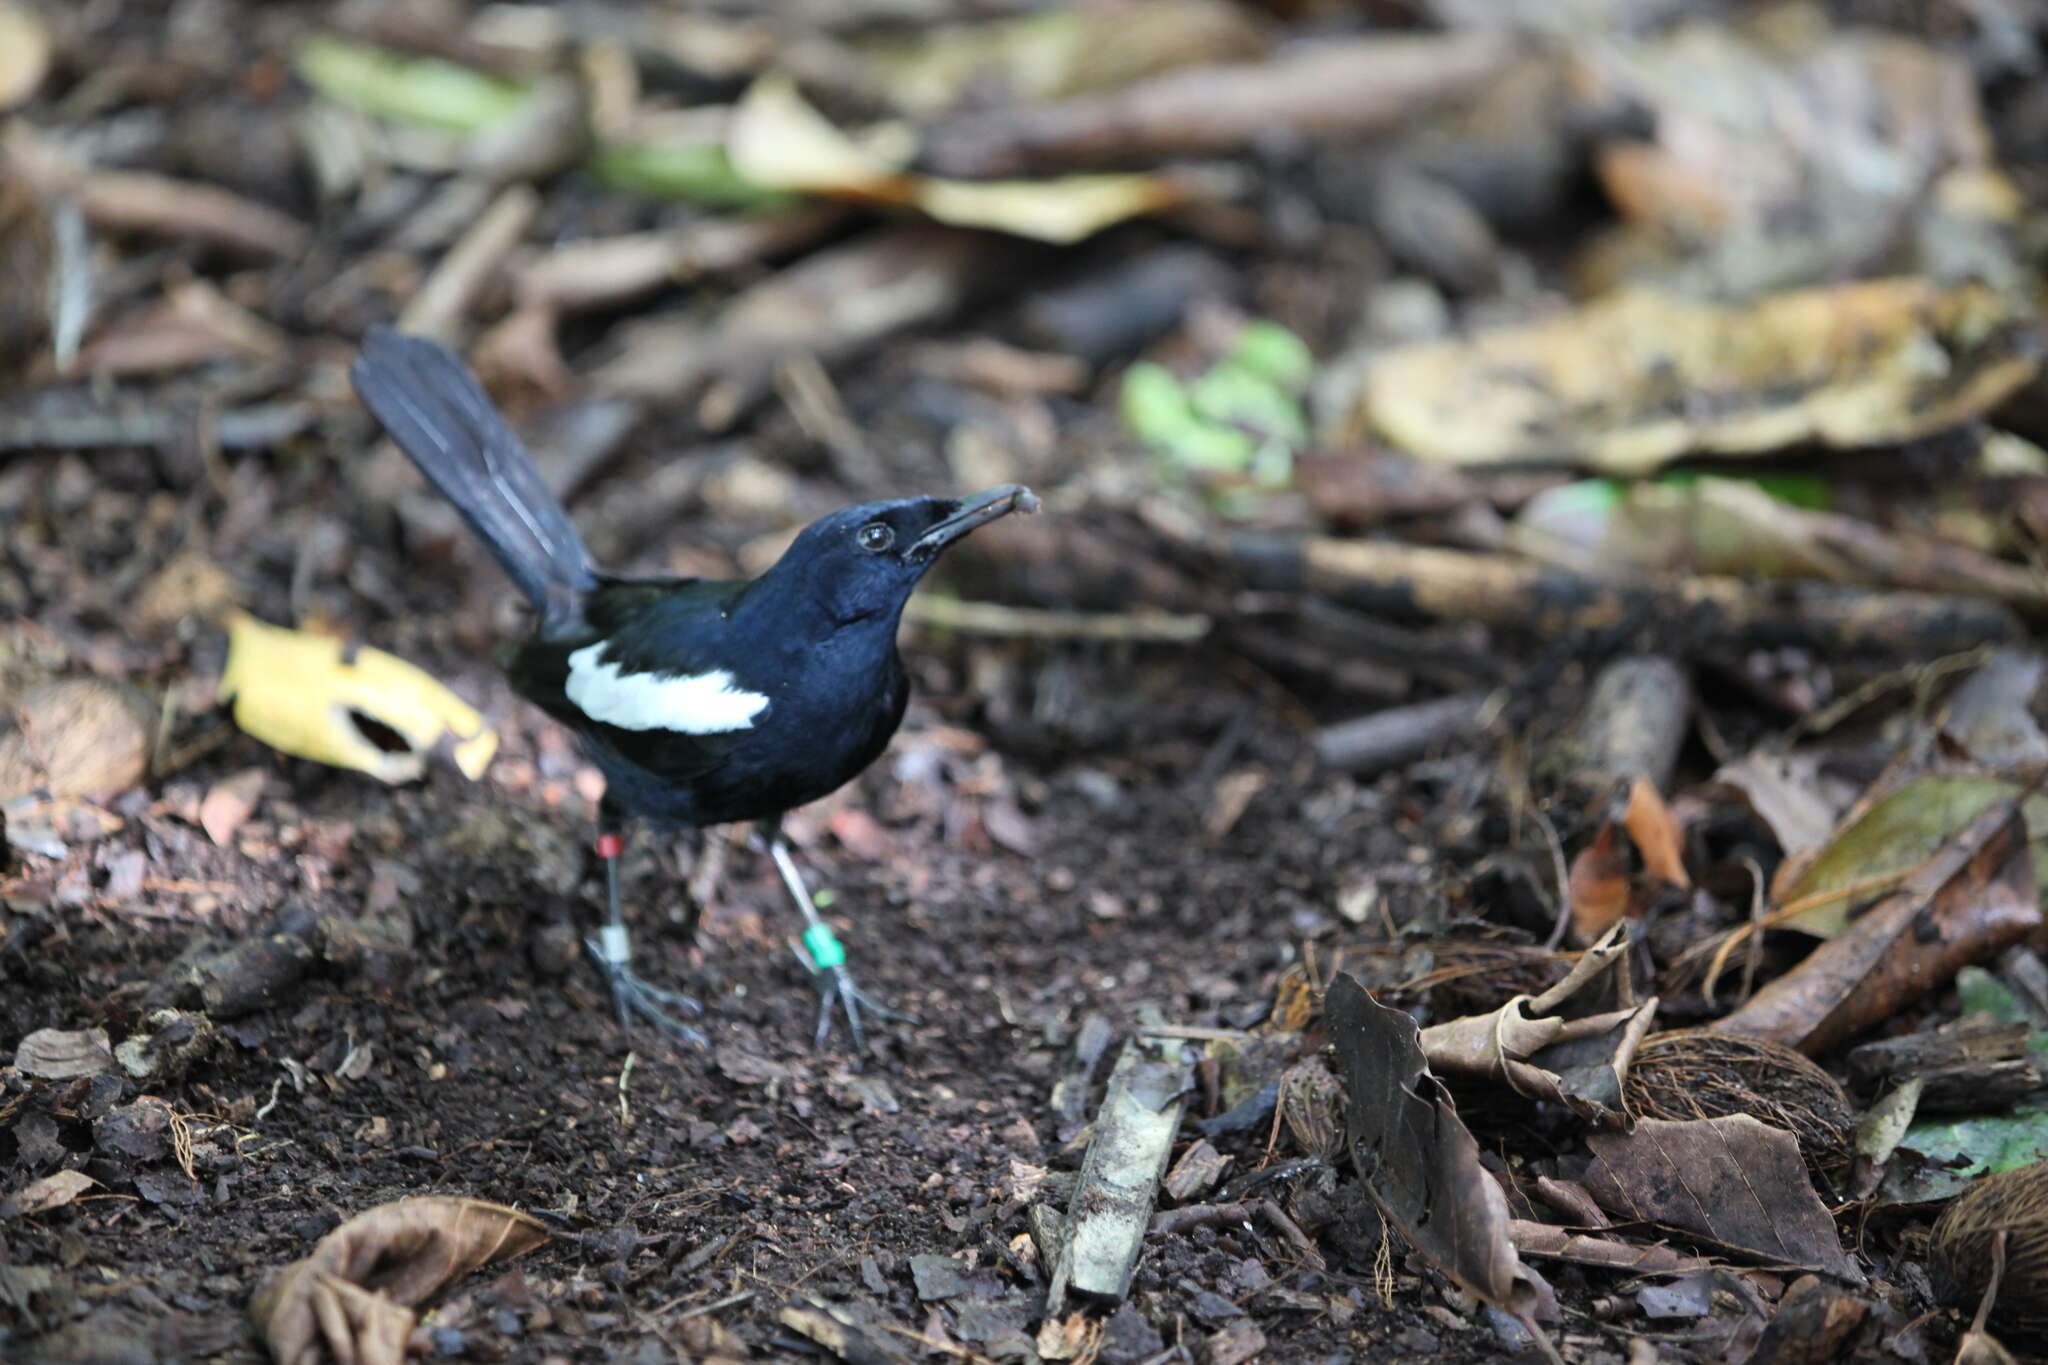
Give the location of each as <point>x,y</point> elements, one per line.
<point>824,948</point>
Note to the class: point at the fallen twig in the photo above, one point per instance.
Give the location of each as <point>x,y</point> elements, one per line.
<point>1333,88</point>
<point>437,309</point>
<point>994,618</point>
<point>1692,614</point>
<point>1399,733</point>
<point>1175,1221</point>
<point>609,271</point>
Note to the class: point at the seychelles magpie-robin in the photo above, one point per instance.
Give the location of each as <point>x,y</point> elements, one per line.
<point>703,702</point>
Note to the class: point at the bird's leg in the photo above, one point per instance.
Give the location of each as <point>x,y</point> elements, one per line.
<point>693,908</point>
<point>822,955</point>
<point>613,949</point>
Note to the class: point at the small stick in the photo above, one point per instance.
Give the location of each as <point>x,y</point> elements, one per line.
<point>447,294</point>
<point>996,619</point>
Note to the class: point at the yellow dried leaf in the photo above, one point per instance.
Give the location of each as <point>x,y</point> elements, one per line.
<point>1065,210</point>
<point>302,694</point>
<point>1640,378</point>
<point>777,140</point>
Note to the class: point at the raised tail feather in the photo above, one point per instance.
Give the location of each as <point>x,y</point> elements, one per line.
<point>440,416</point>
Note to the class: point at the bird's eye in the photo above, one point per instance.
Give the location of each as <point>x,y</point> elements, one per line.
<point>876,537</point>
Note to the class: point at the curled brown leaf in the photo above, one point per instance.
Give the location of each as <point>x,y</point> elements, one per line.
<point>352,1300</point>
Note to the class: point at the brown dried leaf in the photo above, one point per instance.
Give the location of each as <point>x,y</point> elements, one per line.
<point>79,737</point>
<point>53,1191</point>
<point>1734,1181</point>
<point>61,1054</point>
<point>190,585</point>
<point>1505,1044</point>
<point>1971,900</point>
<point>1580,1063</point>
<point>1414,1155</point>
<point>193,324</point>
<point>834,1327</point>
<point>355,1294</point>
<point>1599,886</point>
<point>777,140</point>
<point>1785,792</point>
<point>229,805</point>
<point>1656,834</point>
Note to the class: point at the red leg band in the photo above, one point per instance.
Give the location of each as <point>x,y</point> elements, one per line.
<point>610,845</point>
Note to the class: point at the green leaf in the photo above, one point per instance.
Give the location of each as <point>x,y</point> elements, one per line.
<point>1154,406</point>
<point>1983,993</point>
<point>698,172</point>
<point>1230,393</point>
<point>1894,836</point>
<point>1986,1144</point>
<point>418,90</point>
<point>1800,490</point>
<point>1218,449</point>
<point>1272,352</point>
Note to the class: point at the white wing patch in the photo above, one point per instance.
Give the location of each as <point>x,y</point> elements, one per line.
<point>696,704</point>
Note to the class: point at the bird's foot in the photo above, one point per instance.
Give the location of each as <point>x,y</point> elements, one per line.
<point>633,996</point>
<point>838,993</point>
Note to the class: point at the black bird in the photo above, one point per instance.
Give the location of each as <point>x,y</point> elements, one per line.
<point>703,701</point>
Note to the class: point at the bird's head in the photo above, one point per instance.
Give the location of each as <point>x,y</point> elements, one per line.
<point>863,562</point>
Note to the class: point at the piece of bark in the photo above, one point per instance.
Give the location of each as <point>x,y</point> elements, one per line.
<point>1386,738</point>
<point>1609,1253</point>
<point>1812,1326</point>
<point>1127,1156</point>
<point>1290,657</point>
<point>834,305</point>
<point>1428,225</point>
<point>241,979</point>
<point>1686,616</point>
<point>1977,1087</point>
<point>1076,563</point>
<point>1349,88</point>
<point>1447,656</point>
<point>1969,901</point>
<point>1108,313</point>
<point>1970,1065</point>
<point>1196,1173</point>
<point>1634,723</point>
<point>1975,1038</point>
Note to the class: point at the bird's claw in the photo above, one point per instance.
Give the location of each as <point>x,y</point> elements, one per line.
<point>633,996</point>
<point>836,987</point>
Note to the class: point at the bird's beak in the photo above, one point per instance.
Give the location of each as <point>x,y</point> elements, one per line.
<point>979,510</point>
